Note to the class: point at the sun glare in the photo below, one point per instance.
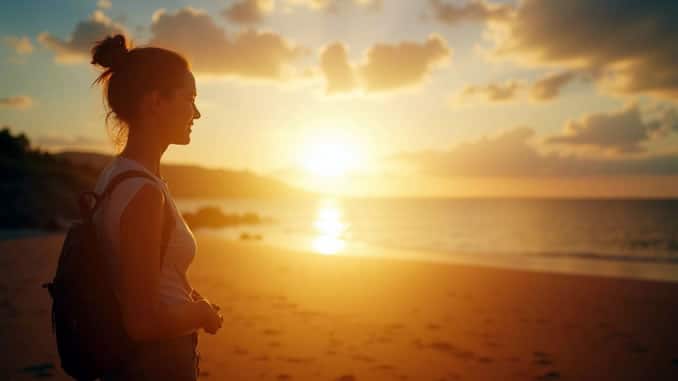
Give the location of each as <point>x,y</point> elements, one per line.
<point>330,154</point>
<point>329,228</point>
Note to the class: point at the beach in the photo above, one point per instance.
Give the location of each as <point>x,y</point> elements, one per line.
<point>301,316</point>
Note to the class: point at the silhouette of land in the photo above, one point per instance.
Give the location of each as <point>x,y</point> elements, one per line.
<point>213,217</point>
<point>39,189</point>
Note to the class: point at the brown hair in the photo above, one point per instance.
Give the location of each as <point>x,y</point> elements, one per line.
<point>130,74</point>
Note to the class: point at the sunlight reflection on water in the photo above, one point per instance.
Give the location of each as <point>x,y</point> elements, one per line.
<point>329,228</point>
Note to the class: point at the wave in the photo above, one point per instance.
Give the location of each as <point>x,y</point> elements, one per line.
<point>610,257</point>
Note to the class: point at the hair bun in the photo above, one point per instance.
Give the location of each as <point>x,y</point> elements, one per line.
<point>110,52</point>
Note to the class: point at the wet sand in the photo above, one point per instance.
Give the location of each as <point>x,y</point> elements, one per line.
<point>300,316</point>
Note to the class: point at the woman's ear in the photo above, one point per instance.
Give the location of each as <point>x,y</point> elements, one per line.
<point>151,103</point>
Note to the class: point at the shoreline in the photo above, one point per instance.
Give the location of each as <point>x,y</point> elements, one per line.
<point>561,264</point>
<point>657,271</point>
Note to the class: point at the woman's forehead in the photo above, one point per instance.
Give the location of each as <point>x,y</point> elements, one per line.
<point>189,83</point>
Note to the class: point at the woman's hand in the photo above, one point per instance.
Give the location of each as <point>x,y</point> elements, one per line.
<point>211,318</point>
<point>195,295</point>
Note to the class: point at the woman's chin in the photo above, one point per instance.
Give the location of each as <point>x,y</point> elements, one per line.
<point>183,141</point>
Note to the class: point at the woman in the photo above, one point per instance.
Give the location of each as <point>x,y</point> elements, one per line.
<point>150,93</point>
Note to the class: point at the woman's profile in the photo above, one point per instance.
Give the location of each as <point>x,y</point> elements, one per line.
<point>150,93</point>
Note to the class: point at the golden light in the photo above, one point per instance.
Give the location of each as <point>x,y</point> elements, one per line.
<point>330,153</point>
<point>330,229</point>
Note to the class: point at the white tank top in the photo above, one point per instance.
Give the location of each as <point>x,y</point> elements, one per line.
<point>181,246</point>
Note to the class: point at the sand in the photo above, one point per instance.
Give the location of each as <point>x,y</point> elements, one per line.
<point>301,316</point>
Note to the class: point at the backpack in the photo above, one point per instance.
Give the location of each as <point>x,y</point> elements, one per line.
<point>86,315</point>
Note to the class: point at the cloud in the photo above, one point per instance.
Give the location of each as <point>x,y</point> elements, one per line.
<point>21,102</point>
<point>104,4</point>
<point>20,45</point>
<point>86,33</point>
<point>408,63</point>
<point>513,154</point>
<point>622,131</point>
<point>472,11</point>
<point>334,5</point>
<point>248,11</point>
<point>338,72</point>
<point>629,45</point>
<point>493,92</point>
<point>385,67</point>
<point>253,11</point>
<point>507,154</point>
<point>548,87</point>
<point>249,53</point>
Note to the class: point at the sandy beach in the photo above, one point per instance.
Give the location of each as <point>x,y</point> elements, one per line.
<point>302,316</point>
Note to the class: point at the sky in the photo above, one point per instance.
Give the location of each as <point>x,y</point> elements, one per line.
<point>379,98</point>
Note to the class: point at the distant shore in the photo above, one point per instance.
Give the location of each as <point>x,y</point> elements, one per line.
<point>300,316</point>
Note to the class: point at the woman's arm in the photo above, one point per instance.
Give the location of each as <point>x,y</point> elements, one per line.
<point>144,315</point>
<point>195,295</point>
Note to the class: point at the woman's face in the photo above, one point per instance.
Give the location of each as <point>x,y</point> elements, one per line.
<point>180,111</point>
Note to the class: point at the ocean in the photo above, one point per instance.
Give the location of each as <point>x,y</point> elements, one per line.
<point>618,238</point>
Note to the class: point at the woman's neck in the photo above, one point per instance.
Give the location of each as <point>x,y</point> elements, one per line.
<point>145,150</point>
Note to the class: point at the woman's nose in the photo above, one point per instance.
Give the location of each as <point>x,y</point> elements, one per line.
<point>196,113</point>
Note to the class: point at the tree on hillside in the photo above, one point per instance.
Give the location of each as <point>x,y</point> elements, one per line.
<point>13,147</point>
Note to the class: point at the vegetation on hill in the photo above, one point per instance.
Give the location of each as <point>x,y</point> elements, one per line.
<point>39,189</point>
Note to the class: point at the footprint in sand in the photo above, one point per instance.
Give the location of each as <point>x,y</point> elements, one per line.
<point>491,343</point>
<point>394,326</point>
<point>336,342</point>
<point>541,321</point>
<point>433,327</point>
<point>542,358</point>
<point>444,346</point>
<point>41,370</point>
<point>271,332</point>
<point>384,367</point>
<point>549,376</point>
<point>284,306</point>
<point>297,360</point>
<point>364,358</point>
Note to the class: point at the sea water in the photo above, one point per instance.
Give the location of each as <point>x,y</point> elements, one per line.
<point>622,238</point>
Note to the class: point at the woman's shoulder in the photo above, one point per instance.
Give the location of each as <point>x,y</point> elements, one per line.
<point>125,190</point>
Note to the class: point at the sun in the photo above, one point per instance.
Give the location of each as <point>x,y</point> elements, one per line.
<point>330,154</point>
<point>328,159</point>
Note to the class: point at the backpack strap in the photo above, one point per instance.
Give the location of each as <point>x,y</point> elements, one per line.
<point>119,178</point>
<point>168,217</point>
